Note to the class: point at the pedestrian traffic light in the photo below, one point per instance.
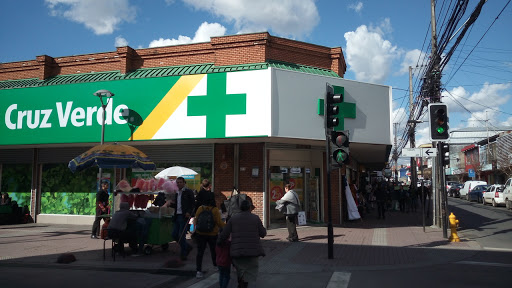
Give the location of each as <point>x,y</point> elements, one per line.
<point>340,149</point>
<point>333,96</point>
<point>444,153</point>
<point>438,119</point>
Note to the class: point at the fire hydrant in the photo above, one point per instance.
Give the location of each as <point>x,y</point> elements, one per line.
<point>454,223</point>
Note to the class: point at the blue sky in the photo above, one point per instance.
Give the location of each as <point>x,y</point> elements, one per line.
<point>380,39</point>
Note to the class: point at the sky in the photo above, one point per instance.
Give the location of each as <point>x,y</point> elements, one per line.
<point>379,39</point>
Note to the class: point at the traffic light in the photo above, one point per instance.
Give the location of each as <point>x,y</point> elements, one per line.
<point>438,119</point>
<point>340,149</point>
<point>444,153</point>
<point>333,96</point>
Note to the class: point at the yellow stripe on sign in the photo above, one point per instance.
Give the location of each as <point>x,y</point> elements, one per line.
<point>167,106</point>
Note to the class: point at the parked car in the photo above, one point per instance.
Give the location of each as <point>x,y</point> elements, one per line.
<point>454,190</point>
<point>494,195</point>
<point>507,193</point>
<point>449,184</point>
<point>477,193</point>
<point>468,185</point>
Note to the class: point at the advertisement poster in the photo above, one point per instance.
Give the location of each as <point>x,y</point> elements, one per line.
<point>276,187</point>
<point>297,183</point>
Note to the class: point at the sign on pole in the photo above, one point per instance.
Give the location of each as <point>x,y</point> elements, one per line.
<point>419,152</point>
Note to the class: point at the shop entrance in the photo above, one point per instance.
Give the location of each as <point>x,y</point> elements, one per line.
<point>303,183</point>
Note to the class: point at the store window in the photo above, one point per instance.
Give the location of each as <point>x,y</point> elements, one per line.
<point>64,192</point>
<point>16,181</point>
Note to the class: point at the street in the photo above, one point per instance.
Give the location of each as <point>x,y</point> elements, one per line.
<point>386,253</point>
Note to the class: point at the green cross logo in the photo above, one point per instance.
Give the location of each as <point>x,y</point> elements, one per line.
<point>347,110</point>
<point>216,105</point>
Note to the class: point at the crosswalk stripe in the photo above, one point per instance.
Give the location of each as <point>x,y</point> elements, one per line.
<point>339,280</point>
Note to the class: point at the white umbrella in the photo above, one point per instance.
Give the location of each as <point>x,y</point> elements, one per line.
<point>175,171</point>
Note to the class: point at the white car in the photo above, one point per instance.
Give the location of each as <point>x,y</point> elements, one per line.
<point>494,195</point>
<point>467,188</point>
<point>507,193</point>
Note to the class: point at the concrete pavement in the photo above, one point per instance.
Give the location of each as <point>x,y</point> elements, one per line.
<point>370,244</point>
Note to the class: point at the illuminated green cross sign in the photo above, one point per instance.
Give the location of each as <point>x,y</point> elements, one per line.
<point>347,110</point>
<point>216,104</point>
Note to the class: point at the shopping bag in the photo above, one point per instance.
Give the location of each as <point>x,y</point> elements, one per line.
<point>192,226</point>
<point>302,218</point>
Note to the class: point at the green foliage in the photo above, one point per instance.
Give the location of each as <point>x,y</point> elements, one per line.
<point>16,177</point>
<point>66,193</point>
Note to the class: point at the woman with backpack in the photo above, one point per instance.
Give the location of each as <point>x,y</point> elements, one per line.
<point>207,223</point>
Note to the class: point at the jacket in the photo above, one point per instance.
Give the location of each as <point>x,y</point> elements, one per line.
<point>246,230</point>
<point>187,202</point>
<point>292,202</point>
<point>216,217</point>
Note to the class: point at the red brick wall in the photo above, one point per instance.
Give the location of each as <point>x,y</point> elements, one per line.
<point>225,50</point>
<point>250,155</point>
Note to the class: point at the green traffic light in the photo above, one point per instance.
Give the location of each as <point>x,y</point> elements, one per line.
<point>440,130</point>
<point>341,156</point>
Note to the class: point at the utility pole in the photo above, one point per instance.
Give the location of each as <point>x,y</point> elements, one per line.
<point>395,155</point>
<point>440,200</point>
<point>412,136</point>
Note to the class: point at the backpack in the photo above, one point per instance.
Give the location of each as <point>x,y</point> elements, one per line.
<point>205,222</point>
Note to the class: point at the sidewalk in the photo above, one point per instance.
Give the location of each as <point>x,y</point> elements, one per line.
<point>370,244</point>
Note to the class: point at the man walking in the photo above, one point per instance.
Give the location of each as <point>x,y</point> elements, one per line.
<point>184,207</point>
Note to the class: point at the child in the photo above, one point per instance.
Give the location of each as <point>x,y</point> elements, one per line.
<point>223,262</point>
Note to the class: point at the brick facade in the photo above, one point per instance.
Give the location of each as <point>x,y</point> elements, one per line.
<point>221,51</point>
<point>250,155</point>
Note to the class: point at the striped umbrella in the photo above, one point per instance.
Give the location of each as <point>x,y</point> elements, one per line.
<point>111,156</point>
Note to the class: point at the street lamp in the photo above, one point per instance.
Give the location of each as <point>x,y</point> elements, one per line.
<point>103,93</point>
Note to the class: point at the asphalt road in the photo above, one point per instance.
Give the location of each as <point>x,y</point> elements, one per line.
<point>490,226</point>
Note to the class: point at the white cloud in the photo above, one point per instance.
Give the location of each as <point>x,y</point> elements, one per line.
<point>369,56</point>
<point>295,18</point>
<point>203,34</point>
<point>507,122</point>
<point>102,17</point>
<point>411,58</point>
<point>358,6</point>
<point>121,42</point>
<point>490,96</point>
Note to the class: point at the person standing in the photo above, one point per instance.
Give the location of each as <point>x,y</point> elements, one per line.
<point>380,196</point>
<point>205,235</point>
<point>291,200</point>
<point>102,208</point>
<point>204,193</point>
<point>183,207</point>
<point>246,230</point>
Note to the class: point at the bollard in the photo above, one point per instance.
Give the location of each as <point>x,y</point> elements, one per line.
<point>454,223</point>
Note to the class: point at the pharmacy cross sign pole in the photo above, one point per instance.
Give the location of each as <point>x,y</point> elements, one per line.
<point>216,105</point>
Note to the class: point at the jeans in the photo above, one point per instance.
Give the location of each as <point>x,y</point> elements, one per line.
<point>202,240</point>
<point>179,234</point>
<point>224,276</point>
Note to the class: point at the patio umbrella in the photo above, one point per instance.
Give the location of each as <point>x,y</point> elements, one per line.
<point>175,171</point>
<point>111,156</point>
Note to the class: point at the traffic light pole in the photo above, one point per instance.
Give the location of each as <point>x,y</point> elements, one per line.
<point>442,189</point>
<point>330,234</point>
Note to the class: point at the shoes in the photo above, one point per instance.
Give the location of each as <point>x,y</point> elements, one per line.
<point>94,237</point>
<point>199,274</point>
